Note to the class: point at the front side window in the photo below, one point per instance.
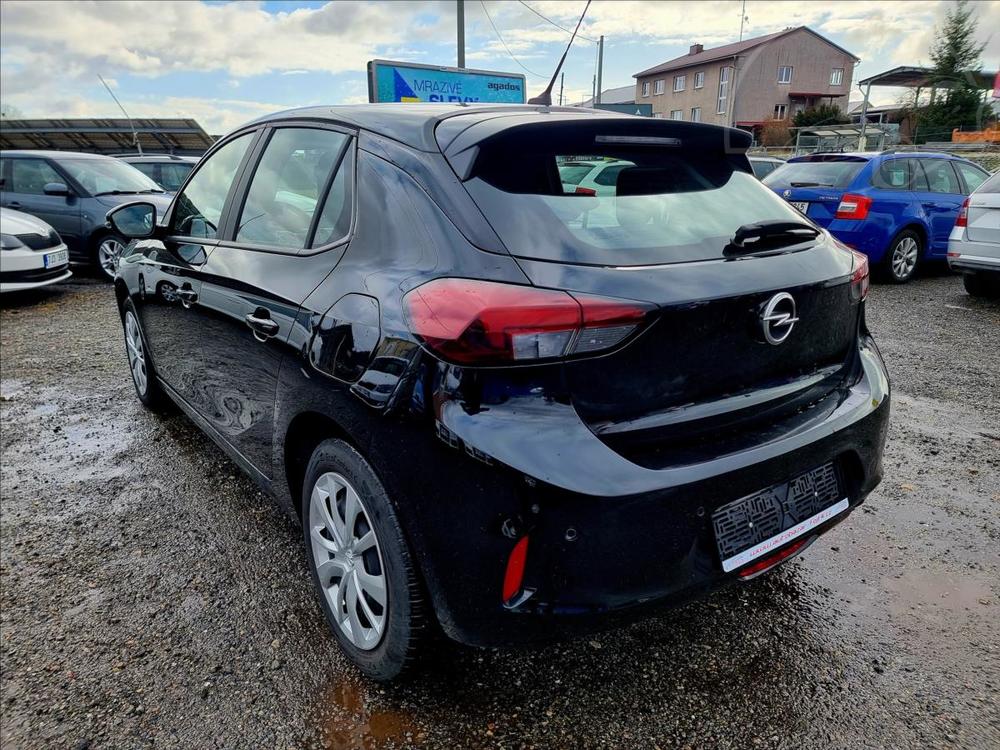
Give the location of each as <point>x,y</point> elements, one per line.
<point>30,176</point>
<point>723,90</point>
<point>785,74</point>
<point>679,83</point>
<point>200,206</point>
<point>941,178</point>
<point>288,185</point>
<point>695,114</point>
<point>108,176</point>
<point>645,88</point>
<point>836,76</point>
<point>699,79</point>
<point>973,177</point>
<point>658,87</point>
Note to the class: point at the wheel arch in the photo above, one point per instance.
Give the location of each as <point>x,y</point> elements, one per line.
<point>917,227</point>
<point>305,431</point>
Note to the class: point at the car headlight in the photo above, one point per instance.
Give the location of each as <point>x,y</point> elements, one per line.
<point>10,242</point>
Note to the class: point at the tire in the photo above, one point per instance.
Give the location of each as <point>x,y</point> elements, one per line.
<point>147,387</point>
<point>107,246</point>
<point>981,285</point>
<point>383,639</point>
<point>903,256</point>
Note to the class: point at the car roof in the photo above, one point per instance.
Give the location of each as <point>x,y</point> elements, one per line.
<point>415,123</point>
<point>870,156</point>
<point>147,158</point>
<point>41,154</point>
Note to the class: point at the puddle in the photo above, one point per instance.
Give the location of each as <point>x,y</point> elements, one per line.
<point>945,600</point>
<point>348,721</point>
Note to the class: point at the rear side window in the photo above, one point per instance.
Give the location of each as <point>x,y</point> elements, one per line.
<point>667,204</point>
<point>334,222</point>
<point>172,176</point>
<point>30,176</point>
<point>973,177</point>
<point>992,185</point>
<point>893,174</point>
<point>146,168</point>
<point>763,168</point>
<point>573,174</point>
<point>833,173</point>
<point>941,178</point>
<point>287,186</point>
<point>200,205</point>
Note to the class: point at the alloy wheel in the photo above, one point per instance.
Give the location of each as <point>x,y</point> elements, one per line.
<point>136,353</point>
<point>904,258</point>
<point>348,560</point>
<point>108,253</point>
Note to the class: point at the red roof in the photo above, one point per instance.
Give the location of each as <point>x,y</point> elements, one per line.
<point>729,50</point>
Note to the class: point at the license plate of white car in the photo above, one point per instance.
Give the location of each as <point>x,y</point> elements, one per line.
<point>802,206</point>
<point>56,259</point>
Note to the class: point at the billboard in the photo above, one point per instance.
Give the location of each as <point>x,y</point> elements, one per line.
<point>408,82</point>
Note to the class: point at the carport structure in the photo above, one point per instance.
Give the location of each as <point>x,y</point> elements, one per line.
<point>182,137</point>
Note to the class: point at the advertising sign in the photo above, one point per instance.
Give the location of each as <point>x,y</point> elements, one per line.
<point>408,82</point>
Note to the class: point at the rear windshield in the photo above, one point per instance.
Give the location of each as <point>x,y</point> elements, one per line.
<point>666,204</point>
<point>814,174</point>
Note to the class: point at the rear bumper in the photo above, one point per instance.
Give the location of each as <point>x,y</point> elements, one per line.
<point>609,539</point>
<point>965,255</point>
<point>862,236</point>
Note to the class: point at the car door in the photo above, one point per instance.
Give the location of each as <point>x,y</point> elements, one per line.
<point>272,257</point>
<point>893,196</point>
<point>170,271</point>
<point>24,190</point>
<point>941,202</point>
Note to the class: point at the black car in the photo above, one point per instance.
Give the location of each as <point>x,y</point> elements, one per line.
<point>167,170</point>
<point>499,408</point>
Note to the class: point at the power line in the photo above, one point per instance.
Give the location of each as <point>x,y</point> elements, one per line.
<point>545,18</point>
<point>497,32</point>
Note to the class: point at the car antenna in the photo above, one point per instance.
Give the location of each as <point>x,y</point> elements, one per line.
<point>545,98</point>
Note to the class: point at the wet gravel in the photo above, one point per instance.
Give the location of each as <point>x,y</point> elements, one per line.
<point>151,596</point>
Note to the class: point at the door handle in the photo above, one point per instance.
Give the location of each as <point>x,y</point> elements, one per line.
<point>187,296</point>
<point>13,204</point>
<point>261,324</point>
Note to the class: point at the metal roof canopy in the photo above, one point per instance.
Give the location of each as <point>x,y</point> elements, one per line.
<point>836,131</point>
<point>106,136</point>
<point>916,77</point>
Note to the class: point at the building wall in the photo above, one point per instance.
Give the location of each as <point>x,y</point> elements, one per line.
<point>758,90</point>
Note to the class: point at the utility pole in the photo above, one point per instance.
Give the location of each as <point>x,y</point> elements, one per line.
<point>600,69</point>
<point>743,18</point>
<point>461,32</point>
<point>562,80</point>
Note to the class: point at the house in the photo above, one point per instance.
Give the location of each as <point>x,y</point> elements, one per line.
<point>750,82</point>
<point>620,95</point>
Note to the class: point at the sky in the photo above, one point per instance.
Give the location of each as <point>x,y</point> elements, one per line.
<point>225,63</point>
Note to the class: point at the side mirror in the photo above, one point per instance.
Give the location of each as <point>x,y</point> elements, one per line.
<point>55,188</point>
<point>133,220</point>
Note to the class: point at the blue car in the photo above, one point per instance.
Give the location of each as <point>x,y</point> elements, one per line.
<point>896,208</point>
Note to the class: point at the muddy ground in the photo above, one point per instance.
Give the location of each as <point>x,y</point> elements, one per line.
<point>151,596</point>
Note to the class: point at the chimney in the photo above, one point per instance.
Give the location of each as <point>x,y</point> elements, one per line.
<point>695,49</point>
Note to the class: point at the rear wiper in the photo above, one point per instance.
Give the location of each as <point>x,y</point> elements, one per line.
<point>752,237</point>
<point>809,184</point>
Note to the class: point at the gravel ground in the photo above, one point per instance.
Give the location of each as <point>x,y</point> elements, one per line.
<point>151,596</point>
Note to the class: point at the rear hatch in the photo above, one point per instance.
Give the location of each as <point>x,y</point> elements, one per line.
<point>815,184</point>
<point>983,223</point>
<point>702,365</point>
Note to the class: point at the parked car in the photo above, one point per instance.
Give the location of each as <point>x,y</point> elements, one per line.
<point>73,192</point>
<point>974,246</point>
<point>595,177</point>
<point>31,253</point>
<point>489,417</point>
<point>898,208</point>
<point>764,165</point>
<point>166,170</point>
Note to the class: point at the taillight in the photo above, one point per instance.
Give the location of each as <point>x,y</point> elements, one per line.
<point>585,191</point>
<point>853,207</point>
<point>859,276</point>
<point>963,215</point>
<point>474,322</point>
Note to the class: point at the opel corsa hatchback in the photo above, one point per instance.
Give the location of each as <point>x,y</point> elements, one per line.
<point>502,408</point>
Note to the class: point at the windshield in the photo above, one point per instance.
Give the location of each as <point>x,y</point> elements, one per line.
<point>660,207</point>
<point>108,176</point>
<point>814,174</point>
<point>572,174</point>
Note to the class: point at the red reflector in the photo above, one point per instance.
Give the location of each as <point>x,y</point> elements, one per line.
<point>770,561</point>
<point>484,322</point>
<point>513,577</point>
<point>859,276</point>
<point>585,191</point>
<point>963,215</point>
<point>853,207</point>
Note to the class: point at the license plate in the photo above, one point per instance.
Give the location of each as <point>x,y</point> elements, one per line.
<point>802,206</point>
<point>56,259</point>
<point>754,525</point>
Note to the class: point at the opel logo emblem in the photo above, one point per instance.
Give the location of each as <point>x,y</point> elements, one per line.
<point>778,318</point>
<point>786,194</point>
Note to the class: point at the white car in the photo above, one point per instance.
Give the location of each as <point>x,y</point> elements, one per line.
<point>974,244</point>
<point>586,177</point>
<point>31,253</point>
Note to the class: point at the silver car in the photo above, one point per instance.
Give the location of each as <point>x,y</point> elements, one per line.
<point>974,244</point>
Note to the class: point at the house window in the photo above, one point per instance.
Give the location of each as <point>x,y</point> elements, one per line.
<point>677,114</point>
<point>836,76</point>
<point>785,74</point>
<point>780,111</point>
<point>679,82</point>
<point>645,88</point>
<point>724,74</point>
<point>699,79</point>
<point>695,114</point>
<point>658,87</point>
